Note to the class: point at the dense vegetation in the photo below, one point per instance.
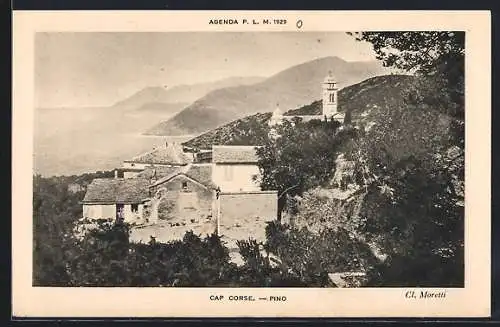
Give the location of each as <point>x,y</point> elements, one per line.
<point>104,256</point>
<point>302,157</point>
<point>409,160</point>
<point>415,156</point>
<point>55,210</point>
<point>409,167</point>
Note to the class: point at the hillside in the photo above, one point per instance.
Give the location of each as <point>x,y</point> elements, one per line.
<point>184,94</point>
<point>191,93</point>
<point>251,130</point>
<point>160,108</point>
<point>378,91</point>
<point>290,88</point>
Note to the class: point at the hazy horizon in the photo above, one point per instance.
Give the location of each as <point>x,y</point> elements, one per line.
<point>89,69</point>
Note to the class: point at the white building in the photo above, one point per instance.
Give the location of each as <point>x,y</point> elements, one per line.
<point>235,168</point>
<point>277,117</point>
<point>330,97</point>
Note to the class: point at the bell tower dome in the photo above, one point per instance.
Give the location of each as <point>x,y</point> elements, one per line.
<point>330,100</point>
<point>277,116</point>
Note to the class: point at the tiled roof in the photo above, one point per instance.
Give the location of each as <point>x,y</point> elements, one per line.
<point>158,172</point>
<point>199,173</point>
<point>234,154</point>
<point>202,174</point>
<point>132,169</point>
<point>117,190</point>
<point>169,154</point>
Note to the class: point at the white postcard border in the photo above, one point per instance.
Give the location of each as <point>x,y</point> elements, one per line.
<point>471,301</point>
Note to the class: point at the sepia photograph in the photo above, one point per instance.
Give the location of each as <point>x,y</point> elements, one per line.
<point>249,159</point>
<point>280,160</point>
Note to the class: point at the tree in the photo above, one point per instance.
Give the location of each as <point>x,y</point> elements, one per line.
<point>420,224</point>
<point>310,256</point>
<point>55,210</point>
<point>103,255</point>
<point>415,159</point>
<point>301,157</point>
<point>437,58</point>
<point>259,269</point>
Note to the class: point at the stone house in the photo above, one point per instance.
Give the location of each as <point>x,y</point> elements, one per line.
<point>225,191</point>
<point>116,198</point>
<point>344,176</point>
<point>154,194</point>
<point>187,193</point>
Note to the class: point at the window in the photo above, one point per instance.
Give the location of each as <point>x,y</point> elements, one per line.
<point>332,97</point>
<point>134,207</point>
<point>184,185</point>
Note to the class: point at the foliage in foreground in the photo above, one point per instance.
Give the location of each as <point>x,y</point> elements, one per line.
<point>105,257</point>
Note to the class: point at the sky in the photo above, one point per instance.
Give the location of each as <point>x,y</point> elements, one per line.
<point>99,69</point>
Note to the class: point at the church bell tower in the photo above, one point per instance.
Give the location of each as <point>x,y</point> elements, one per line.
<point>330,99</point>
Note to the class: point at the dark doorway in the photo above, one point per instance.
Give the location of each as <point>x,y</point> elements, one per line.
<point>119,212</point>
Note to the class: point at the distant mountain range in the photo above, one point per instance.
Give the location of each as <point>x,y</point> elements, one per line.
<point>291,88</point>
<point>377,92</point>
<point>185,94</point>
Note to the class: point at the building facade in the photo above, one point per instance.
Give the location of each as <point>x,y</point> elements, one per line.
<point>235,168</point>
<point>185,194</point>
<point>116,198</point>
<point>330,97</point>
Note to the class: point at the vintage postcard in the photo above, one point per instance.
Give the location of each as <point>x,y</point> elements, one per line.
<point>251,164</point>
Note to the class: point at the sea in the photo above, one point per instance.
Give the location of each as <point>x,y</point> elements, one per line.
<point>72,141</point>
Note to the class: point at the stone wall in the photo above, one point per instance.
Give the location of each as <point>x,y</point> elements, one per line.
<point>243,205</point>
<point>244,215</point>
<point>183,199</point>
